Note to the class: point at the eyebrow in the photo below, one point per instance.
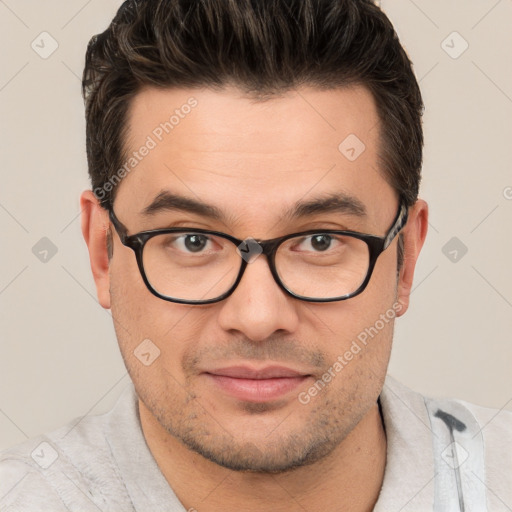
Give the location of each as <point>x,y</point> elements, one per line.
<point>332,203</point>
<point>167,201</point>
<point>340,203</point>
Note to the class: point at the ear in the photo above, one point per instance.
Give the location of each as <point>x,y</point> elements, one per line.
<point>414,235</point>
<point>95,225</point>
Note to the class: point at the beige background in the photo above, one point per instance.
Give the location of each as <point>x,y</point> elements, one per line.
<point>59,353</point>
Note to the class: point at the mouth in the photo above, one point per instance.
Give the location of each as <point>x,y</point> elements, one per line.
<point>256,385</point>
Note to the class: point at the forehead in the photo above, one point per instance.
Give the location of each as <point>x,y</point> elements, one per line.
<point>230,150</point>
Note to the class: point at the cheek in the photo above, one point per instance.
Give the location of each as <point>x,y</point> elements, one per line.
<point>360,338</point>
<point>357,357</point>
<point>358,332</point>
<point>373,309</point>
<point>154,335</point>
<point>149,330</point>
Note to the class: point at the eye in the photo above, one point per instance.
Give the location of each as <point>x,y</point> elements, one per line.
<point>188,243</point>
<point>320,242</point>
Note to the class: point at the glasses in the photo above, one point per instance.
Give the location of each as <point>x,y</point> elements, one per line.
<point>199,266</point>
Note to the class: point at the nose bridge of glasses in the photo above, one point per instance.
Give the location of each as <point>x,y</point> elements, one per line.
<point>250,248</point>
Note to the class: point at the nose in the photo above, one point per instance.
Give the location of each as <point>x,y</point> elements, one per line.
<point>258,307</point>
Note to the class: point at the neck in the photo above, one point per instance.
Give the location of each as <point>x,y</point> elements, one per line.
<point>348,479</point>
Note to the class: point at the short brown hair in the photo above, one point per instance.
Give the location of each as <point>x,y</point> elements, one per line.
<point>264,47</point>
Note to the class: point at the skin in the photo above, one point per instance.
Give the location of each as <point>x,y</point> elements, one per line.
<point>254,160</point>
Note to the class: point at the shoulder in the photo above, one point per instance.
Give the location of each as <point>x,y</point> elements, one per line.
<point>465,447</point>
<point>55,473</point>
<point>71,468</point>
<point>495,432</point>
<point>494,425</point>
<point>22,486</point>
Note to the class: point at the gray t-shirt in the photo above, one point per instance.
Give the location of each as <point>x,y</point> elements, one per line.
<point>443,455</point>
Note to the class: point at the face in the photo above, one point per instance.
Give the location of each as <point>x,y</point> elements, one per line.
<point>259,381</point>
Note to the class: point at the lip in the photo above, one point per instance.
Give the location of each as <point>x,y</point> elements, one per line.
<point>267,372</point>
<point>256,385</point>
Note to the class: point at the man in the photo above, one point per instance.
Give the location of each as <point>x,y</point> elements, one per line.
<point>254,225</point>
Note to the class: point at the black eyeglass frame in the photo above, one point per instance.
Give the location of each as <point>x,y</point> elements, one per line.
<point>376,246</point>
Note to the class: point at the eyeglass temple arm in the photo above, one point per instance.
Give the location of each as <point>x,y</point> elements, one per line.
<point>120,227</point>
<point>400,221</point>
